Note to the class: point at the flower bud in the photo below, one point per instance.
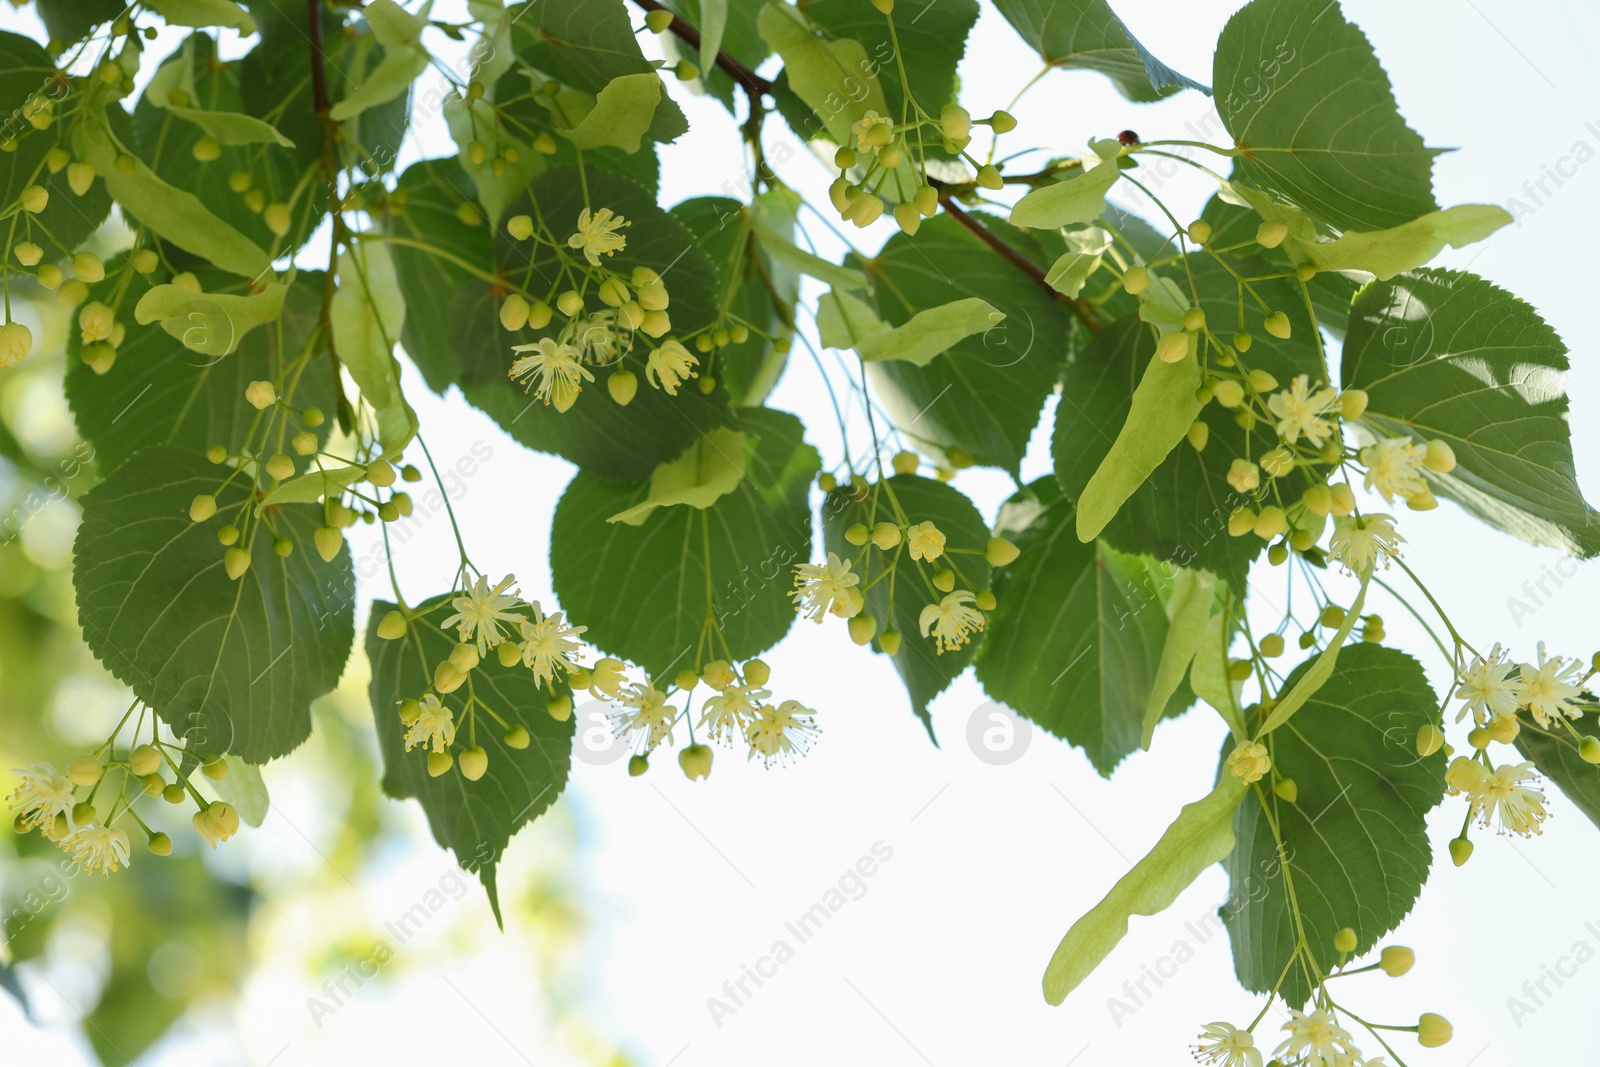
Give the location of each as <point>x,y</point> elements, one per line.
<point>1271,234</point>
<point>756,672</point>
<point>1433,1030</point>
<point>276,216</point>
<point>1286,790</point>
<point>1396,960</point>
<point>1002,122</point>
<point>1589,749</point>
<point>1353,403</point>
<point>857,534</point>
<point>1199,433</point>
<point>1272,645</point>
<point>1242,342</point>
<point>1345,941</point>
<point>1229,393</point>
<point>1241,522</point>
<point>474,763</point>
<point>927,201</point>
<point>695,761</point>
<point>261,395</point>
<point>1277,324</point>
<point>1272,522</point>
<point>439,763</point>
<point>16,341</point>
<point>521,226</point>
<point>1000,552</point>
<point>215,769</point>
<point>160,844</point>
<point>956,122</point>
<point>570,303</point>
<point>862,627</point>
<point>464,657</point>
<point>1430,739</point>
<point>27,253</point>
<point>1262,382</point>
<point>658,21</point>
<point>1136,279</point>
<point>34,199</point>
<point>560,708</point>
<point>328,541</point>
<point>1439,457</point>
<point>446,678</point>
<point>889,641</point>
<point>1172,347</point>
<point>908,218</point>
<point>380,473</point>
<point>1200,231</point>
<point>1344,499</point>
<point>886,535</point>
<point>623,385</point>
<point>637,765</point>
<point>514,312</point>
<point>236,561</point>
<point>85,770</point>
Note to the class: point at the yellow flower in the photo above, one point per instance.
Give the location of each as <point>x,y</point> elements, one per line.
<point>42,795</point>
<point>559,375</point>
<point>481,610</point>
<point>926,542</point>
<point>1394,467</point>
<point>597,234</point>
<point>648,716</point>
<point>433,725</point>
<point>862,129</point>
<point>732,712</point>
<point>16,341</point>
<point>780,733</point>
<point>951,622</point>
<point>547,645</point>
<point>96,847</point>
<point>1518,808</point>
<point>606,677</point>
<point>670,366</point>
<point>1300,412</point>
<point>825,587</point>
<point>1225,1045</point>
<point>1250,761</point>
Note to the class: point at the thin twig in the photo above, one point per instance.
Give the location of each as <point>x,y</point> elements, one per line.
<point>748,80</point>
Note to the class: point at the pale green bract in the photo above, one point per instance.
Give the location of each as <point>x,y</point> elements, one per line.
<point>1079,199</point>
<point>930,332</point>
<point>203,13</point>
<point>1189,615</point>
<point>621,114</point>
<point>835,78</point>
<point>367,314</point>
<point>708,470</point>
<point>1201,835</point>
<point>212,323</point>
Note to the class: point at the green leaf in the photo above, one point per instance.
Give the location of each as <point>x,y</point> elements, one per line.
<point>586,44</point>
<point>475,820</point>
<point>596,433</point>
<point>212,324</point>
<point>925,671</point>
<point>1355,840</point>
<point>244,789</point>
<point>480,122</point>
<point>1201,835</point>
<point>1555,754</point>
<point>751,284</point>
<point>1087,35</point>
<point>366,315</point>
<point>1208,674</point>
<point>740,39</point>
<point>1180,513</point>
<point>1076,637</point>
<point>392,25</point>
<point>1447,355</point>
<point>232,666</point>
<point>1189,620</point>
<point>430,191</point>
<point>643,590</point>
<point>834,78</point>
<point>708,470</point>
<point>25,70</point>
<point>172,213</point>
<point>159,392</point>
<point>621,115</point>
<point>205,13</point>
<point>1160,414</point>
<point>70,21</point>
<point>1079,199</point>
<point>985,394</point>
<point>926,44</point>
<point>1289,78</point>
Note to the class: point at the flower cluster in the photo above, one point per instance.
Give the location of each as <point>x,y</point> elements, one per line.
<point>1496,692</point>
<point>633,310</point>
<point>258,468</point>
<point>487,618</point>
<point>949,618</point>
<point>889,159</point>
<point>85,828</point>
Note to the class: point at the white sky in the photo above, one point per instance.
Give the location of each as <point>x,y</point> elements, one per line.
<point>939,962</point>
